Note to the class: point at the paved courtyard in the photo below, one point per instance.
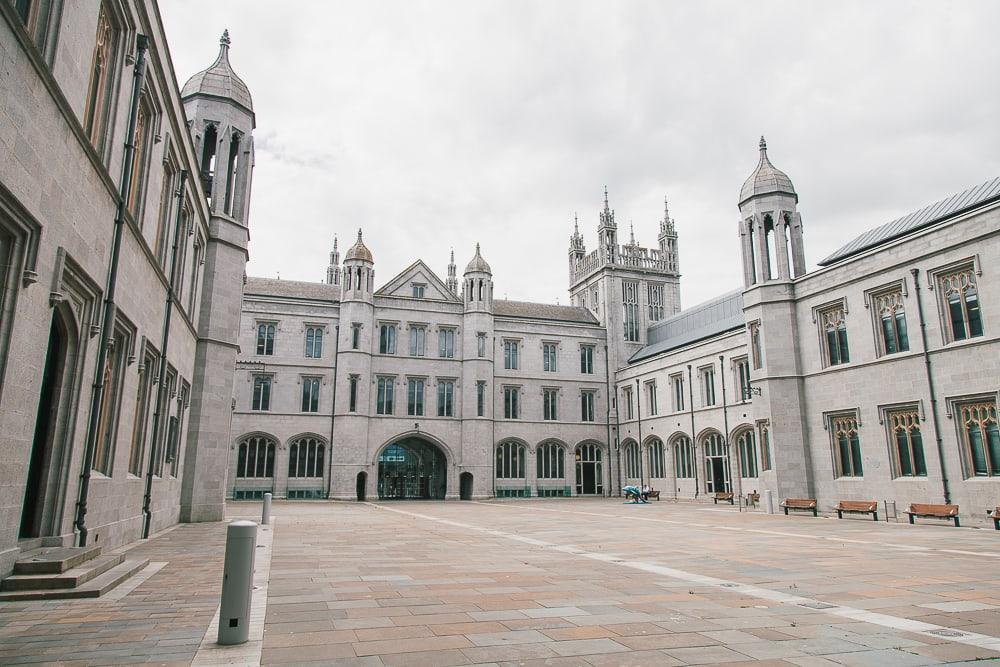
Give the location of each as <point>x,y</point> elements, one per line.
<point>543,582</point>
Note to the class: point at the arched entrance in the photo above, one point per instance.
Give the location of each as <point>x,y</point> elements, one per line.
<point>412,468</point>
<point>589,469</point>
<point>42,481</point>
<point>465,486</point>
<point>716,463</point>
<point>362,486</point>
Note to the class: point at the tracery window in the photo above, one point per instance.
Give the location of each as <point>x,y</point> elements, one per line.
<point>305,458</point>
<point>255,457</point>
<point>890,319</point>
<point>314,342</point>
<point>265,338</point>
<point>981,437</point>
<point>906,443</point>
<point>833,326</point>
<point>630,306</point>
<point>510,460</point>
<point>655,294</point>
<point>550,461</point>
<point>963,318</point>
<point>102,70</point>
<point>656,459</point>
<point>683,458</point>
<point>549,404</point>
<point>748,453</point>
<point>632,460</point>
<point>387,339</point>
<point>846,445</point>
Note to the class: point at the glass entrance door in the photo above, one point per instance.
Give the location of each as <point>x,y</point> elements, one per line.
<point>411,469</point>
<point>589,471</point>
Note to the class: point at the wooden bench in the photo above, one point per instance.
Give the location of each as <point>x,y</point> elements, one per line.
<point>724,496</point>
<point>933,512</point>
<point>995,515</point>
<point>857,507</point>
<point>808,504</point>
<point>653,493</point>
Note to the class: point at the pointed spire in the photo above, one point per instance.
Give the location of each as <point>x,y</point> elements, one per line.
<point>335,243</point>
<point>576,224</point>
<point>667,224</point>
<point>224,40</point>
<point>452,255</point>
<point>763,146</point>
<point>631,233</point>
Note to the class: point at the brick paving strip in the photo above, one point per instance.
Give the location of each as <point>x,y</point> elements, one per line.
<point>211,653</point>
<point>885,620</point>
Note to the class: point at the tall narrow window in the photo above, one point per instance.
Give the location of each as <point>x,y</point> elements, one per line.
<point>549,357</point>
<point>510,354</point>
<point>418,341</point>
<point>255,458</point>
<point>764,427</point>
<point>742,368</point>
<point>173,448</point>
<point>418,290</point>
<point>655,301</point>
<point>383,403</point>
<point>755,349</point>
<point>511,403</point>
<point>163,220</point>
<point>387,339</point>
<point>446,343</point>
<point>587,359</point>
<point>446,398</point>
<point>631,460</point>
<point>683,458</point>
<point>140,158</point>
<point>197,260</point>
<point>261,393</point>
<point>314,342</point>
<point>834,329</point>
<point>107,415</point>
<point>231,170</point>
<point>906,443</point>
<point>748,453</point>
<point>677,384</point>
<point>208,154</point>
<point>550,461</point>
<point>961,301</point>
<point>265,338</point>
<point>587,406</point>
<point>310,394</point>
<point>651,398</point>
<point>162,440</point>
<point>890,320</point>
<point>549,404</point>
<point>415,397</point>
<point>981,437</point>
<point>355,336</point>
<point>102,71</point>
<point>352,393</point>
<point>480,398</point>
<point>847,445</point>
<point>140,421</point>
<point>481,345</point>
<point>305,458</point>
<point>655,449</point>
<point>630,306</point>
<point>627,400</point>
<point>707,386</point>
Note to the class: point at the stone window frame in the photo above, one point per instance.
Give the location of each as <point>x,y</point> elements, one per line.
<point>356,328</point>
<point>554,412</point>
<point>443,332</point>
<point>100,127</point>
<point>353,381</point>
<point>481,399</point>
<point>258,323</point>
<point>418,287</point>
<point>444,381</point>
<point>253,390</point>
<point>627,400</point>
<point>835,422</point>
<point>323,330</point>
<point>739,363</point>
<point>552,367</point>
<point>593,354</point>
<point>823,316</point>
<point>677,398</point>
<point>147,134</point>
<point>877,300</point>
<point>413,349</point>
<point>302,383</point>
<point>588,410</point>
<point>19,238</point>
<point>392,340</point>
<point>894,415</point>
<point>707,388</point>
<point>763,427</point>
<point>422,403</point>
<point>956,407</point>
<point>512,353</point>
<point>652,406</point>
<point>512,407</point>
<point>753,339</point>
<point>936,279</point>
<point>41,27</point>
<point>388,399</point>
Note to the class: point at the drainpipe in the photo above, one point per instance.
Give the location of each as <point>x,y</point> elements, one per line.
<point>168,311</point>
<point>492,408</point>
<point>930,386</point>
<point>694,436</point>
<point>607,416</point>
<point>108,319</point>
<point>737,482</point>
<point>638,414</point>
<point>333,411</point>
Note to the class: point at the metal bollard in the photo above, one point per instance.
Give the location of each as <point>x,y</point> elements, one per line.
<point>237,582</point>
<point>768,501</point>
<point>265,517</point>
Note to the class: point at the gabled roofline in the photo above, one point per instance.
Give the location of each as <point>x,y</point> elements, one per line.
<point>398,280</point>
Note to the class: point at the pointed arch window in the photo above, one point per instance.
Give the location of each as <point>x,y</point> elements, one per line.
<point>255,458</point>
<point>510,460</point>
<point>980,437</point>
<point>550,461</point>
<point>748,453</point>
<point>305,458</point>
<point>683,458</point>
<point>656,456</point>
<point>962,314</point>
<point>102,72</point>
<point>846,445</point>
<point>632,460</point>
<point>906,443</point>
<point>833,328</point>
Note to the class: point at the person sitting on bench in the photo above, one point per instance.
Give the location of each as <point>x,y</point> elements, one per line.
<point>645,491</point>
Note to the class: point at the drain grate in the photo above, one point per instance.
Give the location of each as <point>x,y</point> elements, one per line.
<point>946,633</point>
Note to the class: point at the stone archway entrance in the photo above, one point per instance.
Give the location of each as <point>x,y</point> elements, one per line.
<point>465,486</point>
<point>589,470</point>
<point>412,468</point>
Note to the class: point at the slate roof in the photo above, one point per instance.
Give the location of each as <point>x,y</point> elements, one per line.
<point>959,203</point>
<point>721,314</point>
<point>543,311</point>
<point>291,289</point>
<point>219,80</point>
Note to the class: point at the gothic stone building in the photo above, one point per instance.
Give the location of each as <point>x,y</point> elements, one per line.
<point>117,323</point>
<point>873,377</point>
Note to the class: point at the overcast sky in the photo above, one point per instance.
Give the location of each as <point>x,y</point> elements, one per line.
<point>434,125</point>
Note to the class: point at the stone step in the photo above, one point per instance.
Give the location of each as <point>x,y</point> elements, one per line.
<point>96,587</point>
<point>54,560</point>
<point>71,578</point>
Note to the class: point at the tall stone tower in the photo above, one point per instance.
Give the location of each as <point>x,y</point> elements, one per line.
<point>770,231</point>
<point>477,373</point>
<point>349,454</point>
<point>627,287</point>
<point>452,281</point>
<point>333,269</point>
<point>220,110</point>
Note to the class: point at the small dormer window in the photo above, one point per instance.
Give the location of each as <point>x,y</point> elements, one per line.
<point>418,290</point>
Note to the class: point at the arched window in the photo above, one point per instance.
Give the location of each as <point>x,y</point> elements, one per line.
<point>255,457</point>
<point>714,445</point>
<point>510,461</point>
<point>632,460</point>
<point>551,461</point>
<point>305,458</point>
<point>683,457</point>
<point>748,453</point>
<point>655,450</point>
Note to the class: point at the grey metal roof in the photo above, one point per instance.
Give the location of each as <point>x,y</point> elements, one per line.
<point>291,289</point>
<point>543,311</point>
<point>928,215</point>
<point>766,179</point>
<point>721,314</point>
<point>219,80</point>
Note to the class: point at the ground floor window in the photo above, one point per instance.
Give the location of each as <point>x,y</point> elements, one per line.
<point>632,460</point>
<point>550,460</point>
<point>255,457</point>
<point>981,437</point>
<point>683,458</point>
<point>510,461</point>
<point>748,453</point>
<point>655,459</point>
<point>305,458</point>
